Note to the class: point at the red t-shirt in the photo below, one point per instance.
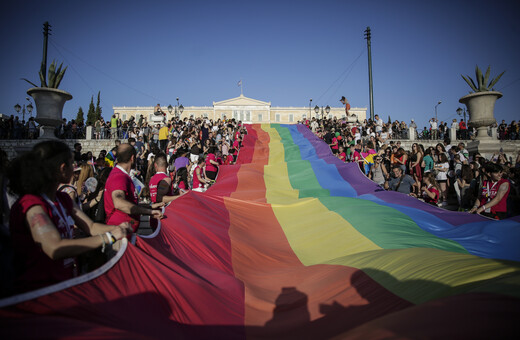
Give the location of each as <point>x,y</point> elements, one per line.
<point>196,183</point>
<point>33,268</point>
<point>209,165</point>
<point>343,156</point>
<point>430,200</point>
<point>335,143</point>
<point>182,185</point>
<point>229,160</point>
<point>120,180</point>
<point>490,190</point>
<point>154,182</point>
<point>236,146</point>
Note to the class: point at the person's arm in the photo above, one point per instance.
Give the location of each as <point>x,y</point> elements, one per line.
<point>82,221</point>
<point>201,179</point>
<point>429,193</point>
<point>163,188</point>
<point>214,163</point>
<point>385,173</point>
<point>502,190</point>
<point>92,203</point>
<point>45,233</point>
<point>120,203</point>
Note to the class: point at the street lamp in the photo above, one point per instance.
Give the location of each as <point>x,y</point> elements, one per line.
<point>317,110</point>
<point>178,109</point>
<point>439,103</point>
<point>170,109</point>
<point>310,112</point>
<point>19,108</point>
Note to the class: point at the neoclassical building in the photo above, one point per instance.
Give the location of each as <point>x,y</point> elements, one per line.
<point>246,109</point>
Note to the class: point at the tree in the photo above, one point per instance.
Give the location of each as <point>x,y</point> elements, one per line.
<point>79,116</point>
<point>98,108</point>
<point>91,115</point>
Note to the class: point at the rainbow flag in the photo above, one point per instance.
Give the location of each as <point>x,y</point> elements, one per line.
<point>292,243</point>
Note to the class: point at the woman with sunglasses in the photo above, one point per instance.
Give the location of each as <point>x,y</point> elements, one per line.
<point>378,172</point>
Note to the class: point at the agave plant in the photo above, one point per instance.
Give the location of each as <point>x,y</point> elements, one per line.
<point>54,76</point>
<point>482,80</point>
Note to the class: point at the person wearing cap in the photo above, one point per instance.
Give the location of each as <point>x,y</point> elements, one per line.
<point>344,101</point>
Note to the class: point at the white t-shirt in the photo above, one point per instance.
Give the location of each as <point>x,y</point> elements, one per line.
<point>442,175</point>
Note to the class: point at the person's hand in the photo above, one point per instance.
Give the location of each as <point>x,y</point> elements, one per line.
<point>157,214</point>
<point>126,226</point>
<point>157,205</point>
<point>182,192</point>
<point>119,232</point>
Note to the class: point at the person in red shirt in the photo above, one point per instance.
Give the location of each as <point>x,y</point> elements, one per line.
<point>120,199</point>
<point>161,186</point>
<point>199,179</point>
<point>430,189</point>
<point>342,155</point>
<point>211,164</point>
<point>236,147</point>
<point>42,220</point>
<point>492,201</point>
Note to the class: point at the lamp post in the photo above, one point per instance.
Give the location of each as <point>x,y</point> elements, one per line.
<point>178,109</point>
<point>317,110</point>
<point>170,109</point>
<point>462,112</point>
<point>310,112</point>
<point>19,108</point>
<point>439,103</point>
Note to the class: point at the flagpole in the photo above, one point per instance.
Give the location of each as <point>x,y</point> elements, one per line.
<point>241,91</point>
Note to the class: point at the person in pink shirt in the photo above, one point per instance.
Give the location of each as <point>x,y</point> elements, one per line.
<point>120,199</point>
<point>161,186</point>
<point>211,164</point>
<point>236,147</point>
<point>199,179</point>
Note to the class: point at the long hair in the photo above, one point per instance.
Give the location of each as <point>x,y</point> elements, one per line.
<point>85,173</point>
<point>37,170</point>
<point>431,178</point>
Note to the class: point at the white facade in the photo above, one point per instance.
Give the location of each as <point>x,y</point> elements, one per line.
<point>245,109</point>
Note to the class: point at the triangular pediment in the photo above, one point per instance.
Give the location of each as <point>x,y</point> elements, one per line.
<point>241,101</point>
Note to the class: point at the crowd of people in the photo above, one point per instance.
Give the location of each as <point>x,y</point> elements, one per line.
<point>444,175</point>
<point>64,219</point>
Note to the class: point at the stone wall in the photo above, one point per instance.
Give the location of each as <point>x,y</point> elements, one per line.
<point>16,147</point>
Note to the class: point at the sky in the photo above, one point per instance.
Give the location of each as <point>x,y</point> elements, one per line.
<point>286,52</point>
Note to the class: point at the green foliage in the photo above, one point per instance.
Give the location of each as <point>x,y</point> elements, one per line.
<point>98,108</point>
<point>483,84</point>
<point>53,75</point>
<point>91,114</point>
<point>79,116</point>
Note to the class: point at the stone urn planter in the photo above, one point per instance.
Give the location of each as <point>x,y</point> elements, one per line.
<point>481,106</point>
<point>49,108</point>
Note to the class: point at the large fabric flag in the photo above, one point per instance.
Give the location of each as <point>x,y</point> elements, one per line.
<point>292,243</point>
